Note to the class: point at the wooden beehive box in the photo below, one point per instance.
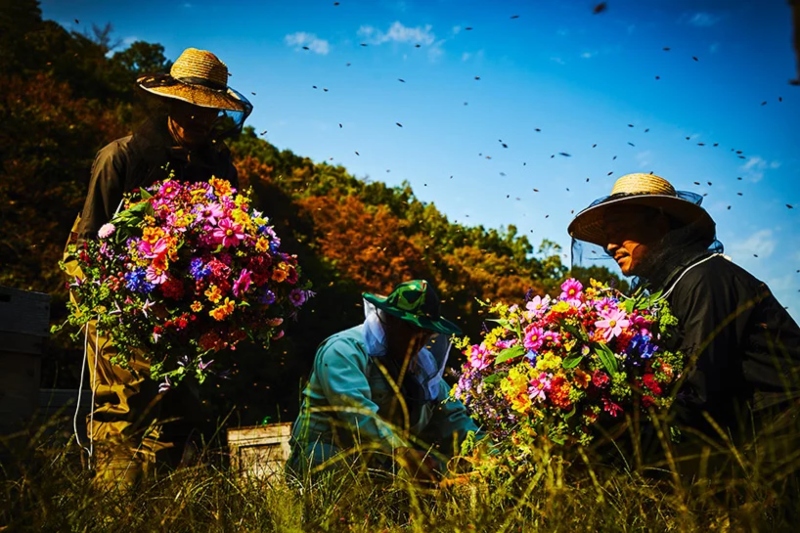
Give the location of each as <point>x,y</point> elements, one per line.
<point>260,452</point>
<point>24,328</point>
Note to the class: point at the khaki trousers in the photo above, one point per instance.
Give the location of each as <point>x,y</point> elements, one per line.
<point>129,416</point>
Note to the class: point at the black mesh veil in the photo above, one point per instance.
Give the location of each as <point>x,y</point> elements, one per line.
<point>681,244</point>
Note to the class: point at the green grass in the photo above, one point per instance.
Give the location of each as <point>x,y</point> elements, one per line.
<point>43,487</point>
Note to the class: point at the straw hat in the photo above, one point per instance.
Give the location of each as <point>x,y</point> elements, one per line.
<point>645,190</point>
<point>415,301</point>
<point>199,78</point>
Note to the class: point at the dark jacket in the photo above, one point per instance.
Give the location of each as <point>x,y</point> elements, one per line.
<point>745,345</point>
<point>141,159</point>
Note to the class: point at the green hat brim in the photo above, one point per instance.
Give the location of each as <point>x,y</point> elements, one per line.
<point>440,325</point>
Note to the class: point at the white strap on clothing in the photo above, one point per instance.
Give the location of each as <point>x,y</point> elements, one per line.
<point>84,365</point>
<point>687,269</point>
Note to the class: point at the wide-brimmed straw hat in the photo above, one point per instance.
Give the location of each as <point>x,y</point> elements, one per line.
<point>415,301</point>
<point>199,78</point>
<point>645,190</point>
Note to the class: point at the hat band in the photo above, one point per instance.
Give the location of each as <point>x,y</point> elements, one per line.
<point>204,82</point>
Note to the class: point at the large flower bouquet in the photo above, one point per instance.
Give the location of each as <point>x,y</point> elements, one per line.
<point>184,271</point>
<point>557,369</point>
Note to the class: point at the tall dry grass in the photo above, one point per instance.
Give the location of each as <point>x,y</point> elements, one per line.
<point>43,487</point>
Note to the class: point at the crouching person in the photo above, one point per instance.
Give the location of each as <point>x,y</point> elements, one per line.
<point>376,398</point>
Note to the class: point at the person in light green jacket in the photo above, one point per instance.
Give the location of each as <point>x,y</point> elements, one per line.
<point>376,396</point>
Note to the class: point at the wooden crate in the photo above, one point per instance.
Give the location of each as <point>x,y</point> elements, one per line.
<point>24,328</point>
<point>260,452</point>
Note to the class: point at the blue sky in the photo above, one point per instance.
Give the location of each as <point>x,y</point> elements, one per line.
<point>580,78</point>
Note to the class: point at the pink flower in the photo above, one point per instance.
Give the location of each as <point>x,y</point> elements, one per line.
<point>539,386</point>
<point>479,357</point>
<point>534,337</point>
<point>155,276</point>
<point>106,230</point>
<point>227,233</point>
<point>606,305</point>
<point>552,338</point>
<point>242,283</point>
<point>571,290</point>
<point>537,306</point>
<point>152,251</point>
<point>210,213</point>
<point>612,324</point>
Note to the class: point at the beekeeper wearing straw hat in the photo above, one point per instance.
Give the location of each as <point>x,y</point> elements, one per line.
<point>743,347</point>
<point>185,140</point>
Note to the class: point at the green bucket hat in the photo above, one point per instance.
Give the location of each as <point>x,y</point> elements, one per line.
<point>415,301</point>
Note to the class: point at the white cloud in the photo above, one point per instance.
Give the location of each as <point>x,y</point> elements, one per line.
<point>761,243</point>
<point>302,39</point>
<point>465,56</point>
<point>755,167</point>
<point>456,30</point>
<point>399,33</point>
<point>588,55</point>
<point>557,60</point>
<point>644,159</point>
<point>127,41</point>
<point>703,20</point>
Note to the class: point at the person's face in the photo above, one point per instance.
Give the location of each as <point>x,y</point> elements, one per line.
<point>191,124</point>
<point>406,338</point>
<point>632,233</point>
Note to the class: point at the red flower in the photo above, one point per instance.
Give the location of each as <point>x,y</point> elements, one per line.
<point>172,288</point>
<point>559,392</point>
<point>611,408</point>
<point>600,379</point>
<point>650,382</point>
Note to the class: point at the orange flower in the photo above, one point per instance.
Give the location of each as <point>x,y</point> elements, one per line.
<point>280,273</point>
<point>582,379</point>
<point>222,312</point>
<point>196,306</point>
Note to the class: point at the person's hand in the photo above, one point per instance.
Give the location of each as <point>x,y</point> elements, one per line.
<point>418,463</point>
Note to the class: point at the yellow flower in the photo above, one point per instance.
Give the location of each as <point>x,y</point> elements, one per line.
<point>561,307</point>
<point>151,235</point>
<point>221,312</point>
<point>548,361</point>
<point>221,187</point>
<point>213,294</point>
<point>515,388</point>
<point>196,306</point>
<point>262,244</point>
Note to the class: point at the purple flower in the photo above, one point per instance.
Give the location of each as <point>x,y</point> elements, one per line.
<point>198,269</point>
<point>267,297</point>
<point>297,297</point>
<point>202,366</point>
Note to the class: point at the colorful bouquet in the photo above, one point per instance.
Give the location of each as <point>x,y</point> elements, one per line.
<point>556,368</point>
<point>183,271</point>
